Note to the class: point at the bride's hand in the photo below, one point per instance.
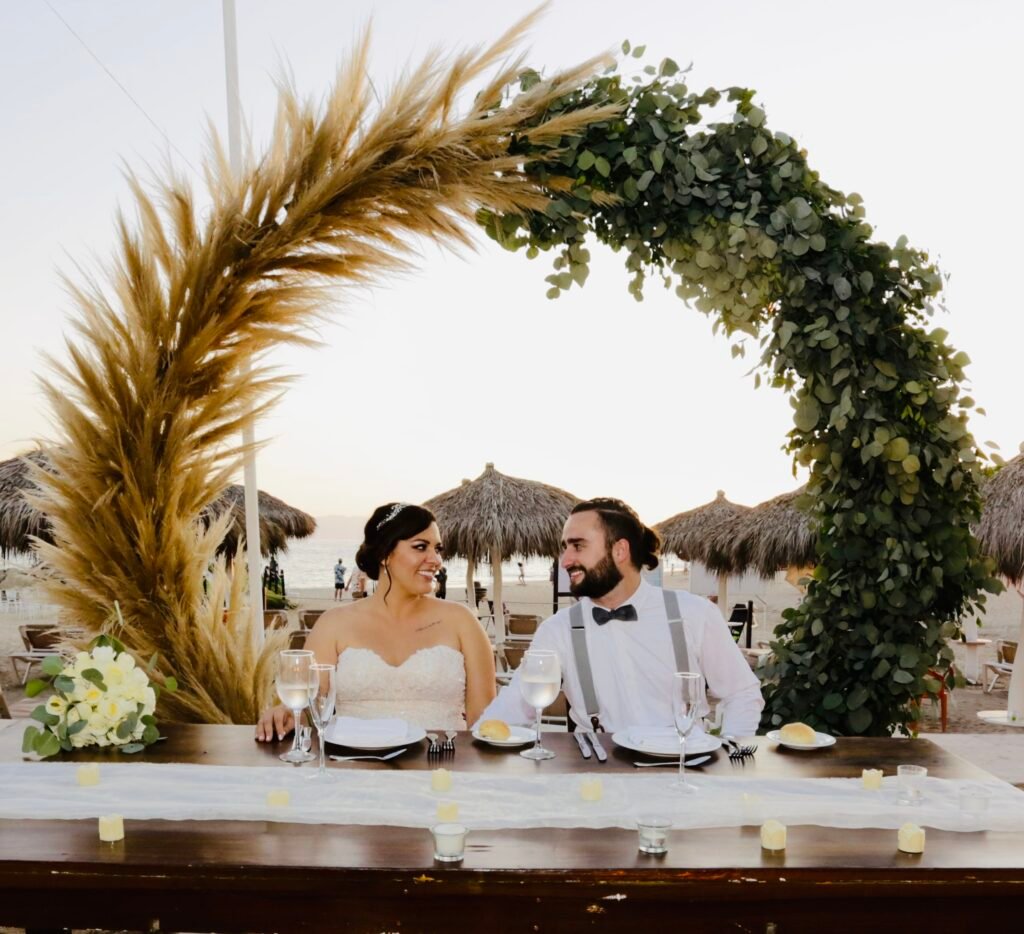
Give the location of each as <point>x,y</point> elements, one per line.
<point>277,720</point>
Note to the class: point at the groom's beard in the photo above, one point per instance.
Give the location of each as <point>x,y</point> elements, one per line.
<point>602,578</point>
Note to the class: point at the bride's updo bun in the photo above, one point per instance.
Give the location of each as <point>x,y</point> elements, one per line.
<point>389,524</point>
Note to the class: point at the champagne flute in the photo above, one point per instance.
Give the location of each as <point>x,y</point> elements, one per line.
<point>540,678</point>
<point>687,702</point>
<point>293,688</point>
<point>321,707</point>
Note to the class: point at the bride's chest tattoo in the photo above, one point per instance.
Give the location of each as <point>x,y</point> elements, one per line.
<point>426,626</point>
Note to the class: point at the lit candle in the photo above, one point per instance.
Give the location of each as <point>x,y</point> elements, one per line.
<point>447,811</point>
<point>88,774</point>
<point>872,779</point>
<point>911,838</point>
<point>591,789</point>
<point>279,798</point>
<point>441,780</point>
<point>773,835</point>
<point>449,842</point>
<point>111,828</point>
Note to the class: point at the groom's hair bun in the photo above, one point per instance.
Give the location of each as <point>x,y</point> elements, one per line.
<point>621,521</point>
<point>389,524</point>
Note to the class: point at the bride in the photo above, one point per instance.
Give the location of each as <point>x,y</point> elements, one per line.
<point>401,652</point>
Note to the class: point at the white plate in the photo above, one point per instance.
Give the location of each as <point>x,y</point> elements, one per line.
<point>695,745</point>
<point>999,718</point>
<point>519,736</point>
<point>822,740</point>
<point>354,741</point>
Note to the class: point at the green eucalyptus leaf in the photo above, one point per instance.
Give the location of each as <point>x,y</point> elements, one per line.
<point>52,665</point>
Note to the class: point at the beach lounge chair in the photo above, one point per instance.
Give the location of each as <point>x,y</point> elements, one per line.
<point>275,619</point>
<point>41,641</point>
<point>1006,653</point>
<point>297,639</point>
<point>308,618</point>
<point>521,627</point>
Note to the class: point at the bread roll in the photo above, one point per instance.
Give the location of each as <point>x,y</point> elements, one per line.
<point>495,729</point>
<point>799,733</point>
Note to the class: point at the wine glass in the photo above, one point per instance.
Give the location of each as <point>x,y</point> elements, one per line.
<point>687,702</point>
<point>540,678</point>
<point>321,707</point>
<point>293,688</point>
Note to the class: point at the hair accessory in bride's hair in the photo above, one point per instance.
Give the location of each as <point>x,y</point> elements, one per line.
<point>392,512</point>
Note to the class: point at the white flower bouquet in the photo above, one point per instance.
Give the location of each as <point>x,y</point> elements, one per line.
<point>101,698</point>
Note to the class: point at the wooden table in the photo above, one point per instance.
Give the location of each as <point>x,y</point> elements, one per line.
<point>249,876</point>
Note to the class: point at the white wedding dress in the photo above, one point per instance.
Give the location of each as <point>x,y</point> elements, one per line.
<point>428,688</point>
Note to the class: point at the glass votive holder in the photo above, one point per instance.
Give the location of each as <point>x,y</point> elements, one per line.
<point>974,801</point>
<point>653,834</point>
<point>910,779</point>
<point>449,842</point>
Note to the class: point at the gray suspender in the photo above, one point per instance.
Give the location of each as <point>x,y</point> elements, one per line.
<point>582,656</point>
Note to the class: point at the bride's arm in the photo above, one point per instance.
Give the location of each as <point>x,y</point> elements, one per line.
<point>323,642</point>
<point>479,659</point>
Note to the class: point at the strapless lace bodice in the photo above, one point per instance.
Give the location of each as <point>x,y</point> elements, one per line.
<point>428,688</point>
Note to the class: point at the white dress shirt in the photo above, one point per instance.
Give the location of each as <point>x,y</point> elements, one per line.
<point>633,663</point>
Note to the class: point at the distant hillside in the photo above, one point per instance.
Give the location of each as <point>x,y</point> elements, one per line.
<point>340,526</point>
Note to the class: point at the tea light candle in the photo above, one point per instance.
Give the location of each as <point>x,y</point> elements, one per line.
<point>447,811</point>
<point>441,780</point>
<point>591,789</point>
<point>449,842</point>
<point>773,835</point>
<point>653,834</point>
<point>111,828</point>
<point>279,798</point>
<point>88,774</point>
<point>911,838</point>
<point>872,779</point>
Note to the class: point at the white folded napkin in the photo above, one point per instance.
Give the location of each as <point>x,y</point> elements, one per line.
<point>355,731</point>
<point>664,738</point>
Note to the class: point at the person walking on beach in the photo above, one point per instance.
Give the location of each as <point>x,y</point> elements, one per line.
<point>339,579</point>
<point>522,573</point>
<point>622,643</point>
<point>441,591</point>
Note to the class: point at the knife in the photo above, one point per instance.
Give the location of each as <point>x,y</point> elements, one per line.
<point>582,743</point>
<point>602,756</point>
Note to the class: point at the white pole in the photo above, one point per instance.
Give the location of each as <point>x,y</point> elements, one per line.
<point>252,509</point>
<point>1015,699</point>
<point>499,610</point>
<point>470,589</point>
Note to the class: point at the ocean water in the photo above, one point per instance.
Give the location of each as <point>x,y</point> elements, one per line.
<point>309,562</point>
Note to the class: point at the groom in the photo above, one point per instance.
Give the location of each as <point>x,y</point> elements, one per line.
<point>620,646</point>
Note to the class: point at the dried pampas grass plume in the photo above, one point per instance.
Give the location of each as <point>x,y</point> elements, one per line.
<point>156,390</point>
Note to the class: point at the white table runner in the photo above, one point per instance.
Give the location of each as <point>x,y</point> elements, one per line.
<point>48,790</point>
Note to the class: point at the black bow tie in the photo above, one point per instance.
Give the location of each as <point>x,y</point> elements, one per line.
<point>625,612</point>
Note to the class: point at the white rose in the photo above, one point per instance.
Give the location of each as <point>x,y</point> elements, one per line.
<point>80,739</point>
<point>138,678</point>
<point>103,654</point>
<point>112,709</point>
<point>56,705</point>
<point>125,662</point>
<point>84,710</point>
<point>148,700</point>
<point>82,661</point>
<point>112,674</point>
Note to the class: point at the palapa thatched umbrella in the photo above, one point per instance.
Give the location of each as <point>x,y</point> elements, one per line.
<point>1001,535</point>
<point>689,534</point>
<point>496,517</point>
<point>19,520</point>
<point>1001,529</point>
<point>775,534</point>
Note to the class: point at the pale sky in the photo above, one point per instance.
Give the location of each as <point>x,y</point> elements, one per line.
<point>423,380</point>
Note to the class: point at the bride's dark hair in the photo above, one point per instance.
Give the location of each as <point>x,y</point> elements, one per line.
<point>389,524</point>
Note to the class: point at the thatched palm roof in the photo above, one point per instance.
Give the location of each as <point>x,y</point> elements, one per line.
<point>19,520</point>
<point>517,517</point>
<point>773,535</point>
<point>1001,529</point>
<point>688,534</point>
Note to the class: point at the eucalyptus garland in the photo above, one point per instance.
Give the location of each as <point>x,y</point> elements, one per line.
<point>730,214</point>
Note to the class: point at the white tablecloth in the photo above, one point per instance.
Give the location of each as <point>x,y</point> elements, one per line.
<point>48,790</point>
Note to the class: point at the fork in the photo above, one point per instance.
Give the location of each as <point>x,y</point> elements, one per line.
<point>737,751</point>
<point>390,755</point>
<point>435,747</point>
<point>449,743</point>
